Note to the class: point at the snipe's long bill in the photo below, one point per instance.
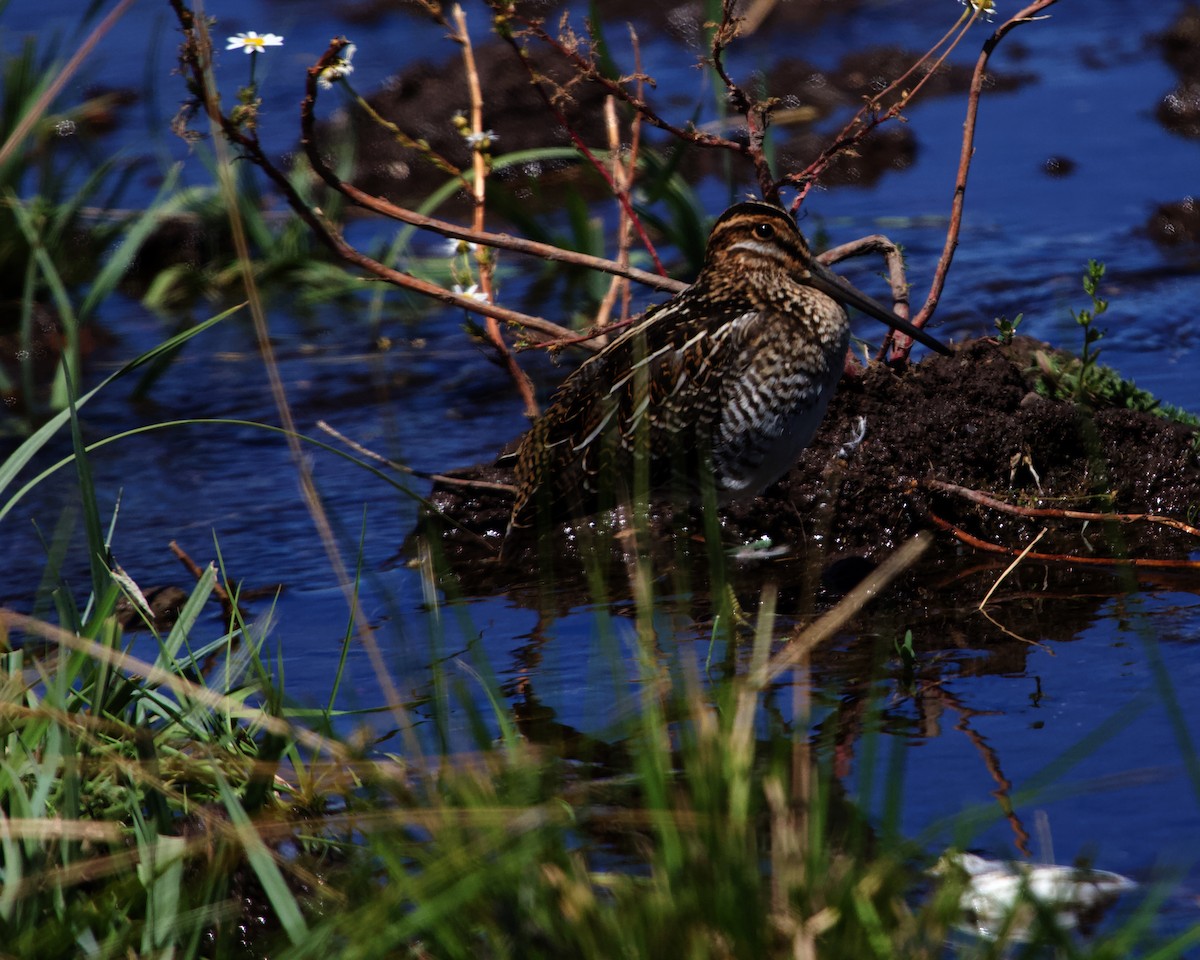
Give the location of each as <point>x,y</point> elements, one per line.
<point>728,380</point>
<point>829,283</point>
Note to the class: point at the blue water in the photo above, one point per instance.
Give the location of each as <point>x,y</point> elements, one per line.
<point>1132,803</point>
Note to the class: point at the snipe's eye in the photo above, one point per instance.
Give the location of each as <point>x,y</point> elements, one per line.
<point>764,231</point>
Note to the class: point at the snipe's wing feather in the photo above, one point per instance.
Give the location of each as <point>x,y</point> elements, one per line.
<point>656,386</point>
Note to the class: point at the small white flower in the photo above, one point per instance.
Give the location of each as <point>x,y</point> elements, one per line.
<point>252,42</point>
<point>341,67</point>
<point>454,247</point>
<point>985,7</point>
<point>481,140</point>
<point>472,291</point>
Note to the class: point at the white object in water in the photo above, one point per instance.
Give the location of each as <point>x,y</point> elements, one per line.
<point>996,888</point>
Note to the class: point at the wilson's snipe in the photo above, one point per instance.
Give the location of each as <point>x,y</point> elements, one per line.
<point>730,379</point>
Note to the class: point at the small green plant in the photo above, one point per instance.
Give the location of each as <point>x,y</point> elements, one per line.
<point>1084,379</point>
<point>1008,328</point>
<point>1088,367</point>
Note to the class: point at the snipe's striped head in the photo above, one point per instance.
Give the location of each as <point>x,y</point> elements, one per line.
<point>762,237</point>
<point>756,235</point>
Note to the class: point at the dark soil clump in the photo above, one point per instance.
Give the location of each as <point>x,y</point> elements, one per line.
<point>1178,222</point>
<point>973,420</point>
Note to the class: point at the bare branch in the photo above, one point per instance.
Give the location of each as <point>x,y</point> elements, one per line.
<point>757,113</point>
<point>1057,513</point>
<point>552,106</point>
<point>901,344</point>
<point>481,167</point>
<point>1073,559</point>
<point>588,70</point>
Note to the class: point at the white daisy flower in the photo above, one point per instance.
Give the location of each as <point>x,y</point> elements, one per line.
<point>454,247</point>
<point>472,291</point>
<point>252,42</point>
<point>986,7</point>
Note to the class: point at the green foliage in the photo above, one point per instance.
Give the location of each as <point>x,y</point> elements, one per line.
<point>1101,386</point>
<point>1007,329</point>
<point>50,173</point>
<point>124,753</point>
<point>51,241</point>
<point>1085,380</point>
<point>1084,390</point>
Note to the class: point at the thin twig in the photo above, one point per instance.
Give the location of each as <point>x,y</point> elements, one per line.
<point>757,113</point>
<point>1135,562</point>
<point>442,478</point>
<point>1011,567</point>
<point>445,228</point>
<point>586,152</point>
<point>219,591</point>
<point>893,259</point>
<point>622,176</point>
<point>869,115</point>
<point>483,256</point>
<point>901,343</point>
<point>588,70</point>
<point>1056,513</point>
<point>420,146</point>
<point>193,62</point>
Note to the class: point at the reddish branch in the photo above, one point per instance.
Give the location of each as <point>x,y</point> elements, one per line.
<point>756,112</point>
<point>247,141</point>
<point>621,195</point>
<point>1054,513</point>
<point>1135,562</point>
<point>871,114</point>
<point>481,167</point>
<point>902,345</point>
<point>893,258</point>
<point>445,228</point>
<point>586,68</point>
<point>231,613</point>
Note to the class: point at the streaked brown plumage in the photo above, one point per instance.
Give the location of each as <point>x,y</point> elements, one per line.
<point>729,378</point>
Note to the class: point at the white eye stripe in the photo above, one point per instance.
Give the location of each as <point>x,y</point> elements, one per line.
<point>772,250</point>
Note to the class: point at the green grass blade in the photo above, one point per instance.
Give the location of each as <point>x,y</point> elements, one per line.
<point>161,874</point>
<point>224,421</point>
<point>29,448</point>
<point>187,618</point>
<point>287,910</point>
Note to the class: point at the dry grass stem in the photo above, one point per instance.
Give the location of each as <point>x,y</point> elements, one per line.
<point>831,622</point>
<point>483,258</point>
<point>1011,567</point>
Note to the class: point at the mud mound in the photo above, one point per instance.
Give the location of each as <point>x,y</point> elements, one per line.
<point>974,419</point>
